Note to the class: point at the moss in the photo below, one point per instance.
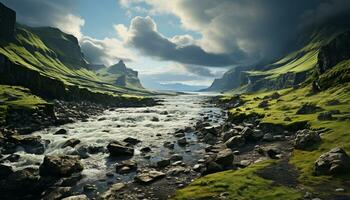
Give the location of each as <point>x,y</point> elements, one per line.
<point>14,97</point>
<point>241,184</point>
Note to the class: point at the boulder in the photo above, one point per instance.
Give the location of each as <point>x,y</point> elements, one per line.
<point>212,167</point>
<point>182,141</point>
<point>163,163</point>
<point>268,137</point>
<point>275,95</point>
<point>71,143</point>
<point>60,166</point>
<point>228,134</point>
<point>61,132</point>
<point>224,157</point>
<point>306,138</point>
<point>112,192</point>
<point>210,138</point>
<point>336,161</point>
<point>308,109</point>
<point>119,149</point>
<point>148,177</point>
<point>176,157</point>
<point>57,193</point>
<point>235,142</point>
<point>264,104</point>
<point>324,116</point>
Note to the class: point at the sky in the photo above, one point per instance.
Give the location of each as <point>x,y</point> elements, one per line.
<point>180,41</point>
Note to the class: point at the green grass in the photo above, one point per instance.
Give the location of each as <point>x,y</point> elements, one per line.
<point>242,184</point>
<point>14,97</point>
<point>47,55</point>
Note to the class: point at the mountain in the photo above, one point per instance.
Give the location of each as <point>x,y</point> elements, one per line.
<point>180,87</point>
<point>120,75</point>
<point>50,63</point>
<point>288,71</point>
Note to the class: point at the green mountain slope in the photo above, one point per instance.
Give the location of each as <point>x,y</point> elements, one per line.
<point>51,64</point>
<point>288,71</point>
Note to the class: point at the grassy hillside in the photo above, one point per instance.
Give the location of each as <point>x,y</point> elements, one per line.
<point>54,61</point>
<point>335,87</point>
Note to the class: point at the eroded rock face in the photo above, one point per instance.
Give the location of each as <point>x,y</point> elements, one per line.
<point>306,138</point>
<point>7,22</point>
<point>60,166</point>
<point>335,161</point>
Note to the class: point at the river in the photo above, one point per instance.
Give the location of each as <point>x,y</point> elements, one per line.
<point>152,125</point>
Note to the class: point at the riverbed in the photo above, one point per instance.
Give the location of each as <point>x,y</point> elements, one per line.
<point>153,126</point>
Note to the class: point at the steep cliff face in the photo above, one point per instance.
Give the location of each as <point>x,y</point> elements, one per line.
<point>231,79</point>
<point>333,66</point>
<point>7,22</point>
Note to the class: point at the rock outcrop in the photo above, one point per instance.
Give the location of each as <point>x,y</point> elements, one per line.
<point>60,166</point>
<point>335,161</point>
<point>7,22</point>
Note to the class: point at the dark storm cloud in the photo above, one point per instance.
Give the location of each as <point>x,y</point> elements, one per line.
<point>144,36</point>
<point>40,12</point>
<point>260,29</point>
<point>198,70</point>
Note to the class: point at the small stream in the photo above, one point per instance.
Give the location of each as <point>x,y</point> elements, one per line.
<point>152,125</point>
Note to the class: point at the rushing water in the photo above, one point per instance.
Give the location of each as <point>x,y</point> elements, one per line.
<point>176,112</point>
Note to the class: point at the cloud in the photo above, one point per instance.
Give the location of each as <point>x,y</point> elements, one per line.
<point>144,36</point>
<point>198,70</point>
<point>48,13</point>
<point>259,29</point>
<point>107,51</point>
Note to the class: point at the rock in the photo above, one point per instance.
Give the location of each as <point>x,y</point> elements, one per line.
<point>112,192</point>
<point>182,141</point>
<point>224,157</point>
<point>176,157</point>
<point>61,132</point>
<point>210,138</point>
<point>31,144</point>
<point>268,137</point>
<point>251,135</point>
<point>227,135</point>
<point>89,188</point>
<point>245,163</point>
<point>324,116</point>
<point>340,190</point>
<point>176,171</point>
<point>132,141</point>
<point>60,166</point>
<point>197,167</point>
<point>77,197</point>
<point>21,182</point>
<point>275,95</point>
<point>71,143</point>
<point>119,149</point>
<point>235,142</point>
<point>163,163</point>
<point>333,102</point>
<point>273,152</point>
<point>308,109</point>
<point>264,104</point>
<point>145,149</point>
<point>148,177</point>
<point>180,135</point>
<point>57,193</point>
<point>7,23</point>
<point>287,119</point>
<point>169,145</point>
<point>335,161</point>
<point>126,166</point>
<point>155,119</point>
<point>212,167</point>
<point>210,130</point>
<point>5,171</point>
<point>306,138</point>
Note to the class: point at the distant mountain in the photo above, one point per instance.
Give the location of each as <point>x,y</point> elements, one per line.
<point>174,87</point>
<point>120,75</point>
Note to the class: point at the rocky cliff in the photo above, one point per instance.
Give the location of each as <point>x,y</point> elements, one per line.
<point>7,22</point>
